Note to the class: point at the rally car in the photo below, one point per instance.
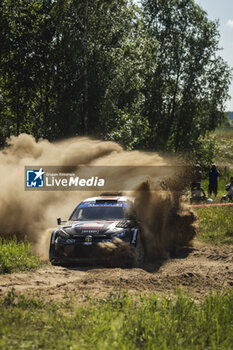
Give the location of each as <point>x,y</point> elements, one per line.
<point>96,225</point>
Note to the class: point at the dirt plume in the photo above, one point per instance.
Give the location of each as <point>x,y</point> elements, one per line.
<point>167,223</point>
<point>122,254</point>
<point>31,214</point>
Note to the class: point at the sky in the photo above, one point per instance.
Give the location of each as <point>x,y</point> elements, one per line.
<point>223,11</point>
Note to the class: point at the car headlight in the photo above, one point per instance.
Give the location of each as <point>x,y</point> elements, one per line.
<point>63,234</point>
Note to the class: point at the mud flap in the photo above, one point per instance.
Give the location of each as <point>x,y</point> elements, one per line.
<point>134,237</point>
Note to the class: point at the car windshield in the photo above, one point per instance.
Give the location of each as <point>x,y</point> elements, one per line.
<point>99,213</point>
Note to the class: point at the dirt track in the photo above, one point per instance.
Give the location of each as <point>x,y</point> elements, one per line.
<point>198,270</point>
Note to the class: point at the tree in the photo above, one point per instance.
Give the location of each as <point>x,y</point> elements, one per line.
<point>70,67</point>
<point>147,77</point>
<point>185,96</point>
<point>23,58</point>
<point>121,113</point>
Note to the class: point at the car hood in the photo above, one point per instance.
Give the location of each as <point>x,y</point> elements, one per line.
<point>76,228</point>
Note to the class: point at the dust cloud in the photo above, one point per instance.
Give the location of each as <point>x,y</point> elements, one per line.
<point>167,222</point>
<point>31,215</point>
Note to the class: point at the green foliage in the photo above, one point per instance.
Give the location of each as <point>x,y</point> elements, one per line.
<point>224,138</point>
<point>205,151</point>
<point>118,322</point>
<point>129,133</point>
<point>70,67</point>
<point>146,76</point>
<point>185,96</point>
<point>14,300</point>
<point>215,147</point>
<point>17,257</point>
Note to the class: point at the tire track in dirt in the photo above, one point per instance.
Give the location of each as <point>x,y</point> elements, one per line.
<point>197,270</point>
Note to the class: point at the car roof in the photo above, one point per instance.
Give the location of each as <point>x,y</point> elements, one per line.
<point>109,198</point>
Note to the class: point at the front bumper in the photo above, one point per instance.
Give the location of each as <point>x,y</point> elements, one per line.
<point>94,253</point>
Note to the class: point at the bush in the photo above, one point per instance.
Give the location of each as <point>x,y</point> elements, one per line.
<point>206,150</point>
<point>16,256</point>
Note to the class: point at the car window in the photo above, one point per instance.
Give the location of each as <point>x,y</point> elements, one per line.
<point>99,213</point>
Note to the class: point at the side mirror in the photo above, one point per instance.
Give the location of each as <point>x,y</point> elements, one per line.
<point>59,221</point>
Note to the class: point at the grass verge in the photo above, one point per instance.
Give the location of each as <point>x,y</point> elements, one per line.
<point>118,322</point>
<point>16,256</point>
<point>216,224</point>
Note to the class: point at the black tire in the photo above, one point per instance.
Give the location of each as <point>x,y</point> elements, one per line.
<point>54,262</point>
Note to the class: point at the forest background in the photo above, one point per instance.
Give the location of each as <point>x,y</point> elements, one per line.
<point>149,76</point>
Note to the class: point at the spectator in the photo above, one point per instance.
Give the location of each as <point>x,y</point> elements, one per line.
<point>197,176</point>
<point>213,180</point>
<point>229,194</point>
<point>198,193</point>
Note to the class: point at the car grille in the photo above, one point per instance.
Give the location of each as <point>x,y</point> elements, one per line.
<point>98,238</point>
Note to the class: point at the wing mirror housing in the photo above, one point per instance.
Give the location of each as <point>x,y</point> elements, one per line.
<point>60,221</point>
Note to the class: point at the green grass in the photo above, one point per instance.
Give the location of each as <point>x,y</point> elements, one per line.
<point>118,322</point>
<point>225,132</point>
<point>17,257</point>
<point>216,224</point>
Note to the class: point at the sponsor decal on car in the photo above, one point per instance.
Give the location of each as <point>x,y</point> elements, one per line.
<point>104,205</point>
